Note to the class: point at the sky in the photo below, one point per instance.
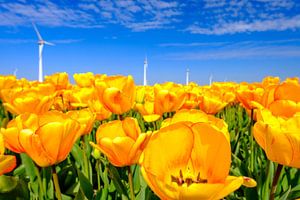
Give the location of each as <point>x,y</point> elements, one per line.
<point>228,40</point>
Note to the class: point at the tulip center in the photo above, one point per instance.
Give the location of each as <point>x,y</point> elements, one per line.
<point>187,179</point>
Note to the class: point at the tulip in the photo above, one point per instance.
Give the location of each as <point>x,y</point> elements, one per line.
<point>147,111</point>
<point>279,137</point>
<point>99,110</point>
<point>84,79</point>
<point>7,82</point>
<point>7,162</point>
<point>283,100</point>
<point>121,141</point>
<point>85,117</point>
<point>59,80</point>
<point>46,138</point>
<point>117,93</point>
<point>189,161</point>
<point>168,97</point>
<point>35,100</point>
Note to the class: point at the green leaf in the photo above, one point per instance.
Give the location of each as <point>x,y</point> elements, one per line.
<point>85,185</point>
<point>7,183</point>
<point>115,176</point>
<point>79,195</point>
<point>77,153</point>
<point>19,192</point>
<point>29,166</point>
<point>286,194</point>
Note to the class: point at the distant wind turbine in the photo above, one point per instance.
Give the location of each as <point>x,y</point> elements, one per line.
<point>15,72</point>
<point>41,43</point>
<point>210,79</point>
<point>145,70</point>
<point>187,76</point>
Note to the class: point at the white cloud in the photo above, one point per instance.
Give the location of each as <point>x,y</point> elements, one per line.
<point>279,24</point>
<point>239,50</point>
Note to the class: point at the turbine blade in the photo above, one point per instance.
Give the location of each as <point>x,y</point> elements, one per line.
<point>37,31</point>
<point>49,43</point>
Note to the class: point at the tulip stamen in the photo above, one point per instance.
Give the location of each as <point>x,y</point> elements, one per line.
<point>188,180</point>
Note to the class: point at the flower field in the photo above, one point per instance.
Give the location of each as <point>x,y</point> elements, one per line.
<point>105,137</point>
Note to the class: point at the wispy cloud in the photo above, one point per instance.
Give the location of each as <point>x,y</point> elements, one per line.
<point>137,15</point>
<point>220,17</point>
<point>241,50</point>
<point>22,41</point>
<point>279,24</point>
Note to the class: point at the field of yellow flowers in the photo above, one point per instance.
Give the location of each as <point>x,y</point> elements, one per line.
<point>107,138</point>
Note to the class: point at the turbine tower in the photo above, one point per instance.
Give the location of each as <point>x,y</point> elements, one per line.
<point>187,76</point>
<point>210,79</point>
<point>145,70</point>
<point>41,43</point>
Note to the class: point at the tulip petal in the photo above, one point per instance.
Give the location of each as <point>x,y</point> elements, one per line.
<point>164,154</point>
<point>7,163</point>
<point>212,154</point>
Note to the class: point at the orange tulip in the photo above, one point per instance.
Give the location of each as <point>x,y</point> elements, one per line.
<point>283,100</point>
<point>7,82</point>
<point>168,97</point>
<point>7,162</point>
<point>84,79</point>
<point>99,110</point>
<point>18,101</point>
<point>121,141</point>
<point>194,163</point>
<point>46,138</point>
<point>85,117</point>
<point>279,137</point>
<point>117,93</point>
<point>59,80</point>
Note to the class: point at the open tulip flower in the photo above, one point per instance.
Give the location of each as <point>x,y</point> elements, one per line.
<point>168,97</point>
<point>7,162</point>
<point>283,100</point>
<point>34,100</point>
<point>190,161</point>
<point>121,141</point>
<point>279,137</point>
<point>46,138</point>
<point>85,117</point>
<point>117,93</point>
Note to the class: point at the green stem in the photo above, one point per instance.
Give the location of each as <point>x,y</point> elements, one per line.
<point>275,181</point>
<point>251,143</point>
<point>98,163</point>
<point>56,183</point>
<point>41,190</point>
<point>85,159</point>
<point>130,183</point>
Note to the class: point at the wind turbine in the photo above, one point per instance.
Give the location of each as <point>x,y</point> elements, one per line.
<point>187,76</point>
<point>210,79</point>
<point>145,70</point>
<point>41,43</point>
<point>15,72</point>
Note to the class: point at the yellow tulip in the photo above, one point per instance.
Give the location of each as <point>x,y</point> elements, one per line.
<point>195,116</point>
<point>121,141</point>
<point>7,162</point>
<point>147,111</point>
<point>99,110</point>
<point>7,82</point>
<point>18,101</point>
<point>84,79</point>
<point>283,100</point>
<point>117,93</point>
<point>168,97</point>
<point>211,104</point>
<point>279,137</point>
<point>59,80</point>
<point>189,161</point>
<point>85,117</point>
<point>46,138</point>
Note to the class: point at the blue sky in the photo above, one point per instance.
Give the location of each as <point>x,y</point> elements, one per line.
<point>231,40</point>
